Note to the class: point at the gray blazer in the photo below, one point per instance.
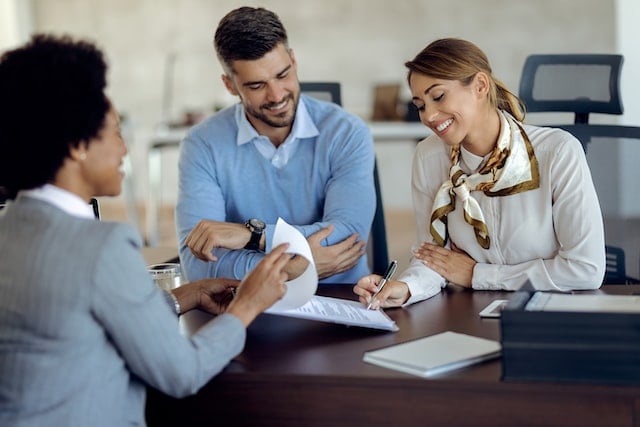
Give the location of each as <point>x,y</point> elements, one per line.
<point>83,328</point>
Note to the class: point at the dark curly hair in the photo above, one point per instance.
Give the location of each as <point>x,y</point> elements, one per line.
<point>51,99</point>
<point>247,33</point>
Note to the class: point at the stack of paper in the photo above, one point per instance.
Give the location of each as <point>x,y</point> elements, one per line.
<point>435,354</point>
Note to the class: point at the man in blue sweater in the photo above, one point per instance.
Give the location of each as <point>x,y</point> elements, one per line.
<point>276,153</point>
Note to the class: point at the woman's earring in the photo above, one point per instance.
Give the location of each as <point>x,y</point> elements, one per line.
<point>83,156</point>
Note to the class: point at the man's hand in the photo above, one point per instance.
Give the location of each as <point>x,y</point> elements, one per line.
<point>208,235</point>
<point>334,259</point>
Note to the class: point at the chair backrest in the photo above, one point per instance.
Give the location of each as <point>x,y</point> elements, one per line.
<point>377,248</point>
<point>615,272</point>
<point>577,83</point>
<point>326,91</point>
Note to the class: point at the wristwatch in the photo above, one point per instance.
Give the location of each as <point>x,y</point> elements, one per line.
<point>256,227</point>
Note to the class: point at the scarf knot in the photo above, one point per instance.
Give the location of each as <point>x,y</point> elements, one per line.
<point>511,168</point>
<point>461,190</point>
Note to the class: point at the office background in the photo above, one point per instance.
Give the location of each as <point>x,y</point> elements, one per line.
<point>162,63</point>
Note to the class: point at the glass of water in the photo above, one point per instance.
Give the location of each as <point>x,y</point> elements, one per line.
<point>166,275</point>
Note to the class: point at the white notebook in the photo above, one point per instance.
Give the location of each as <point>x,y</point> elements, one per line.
<point>435,354</point>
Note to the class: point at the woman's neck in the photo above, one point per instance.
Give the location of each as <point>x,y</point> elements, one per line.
<point>484,138</point>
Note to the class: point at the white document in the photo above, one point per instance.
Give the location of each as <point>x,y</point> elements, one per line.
<point>549,301</point>
<point>300,299</point>
<point>435,354</point>
<point>336,310</point>
<point>302,288</point>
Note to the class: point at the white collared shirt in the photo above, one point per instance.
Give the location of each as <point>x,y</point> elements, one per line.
<point>63,199</point>
<point>303,127</point>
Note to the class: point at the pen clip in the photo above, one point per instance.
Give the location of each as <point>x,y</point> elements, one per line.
<point>387,276</point>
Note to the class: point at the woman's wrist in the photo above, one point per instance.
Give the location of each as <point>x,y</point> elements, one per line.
<point>176,304</point>
<point>187,296</point>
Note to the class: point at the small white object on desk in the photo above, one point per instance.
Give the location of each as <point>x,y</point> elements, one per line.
<point>494,309</point>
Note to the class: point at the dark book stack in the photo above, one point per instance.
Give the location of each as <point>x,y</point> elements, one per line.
<point>579,347</point>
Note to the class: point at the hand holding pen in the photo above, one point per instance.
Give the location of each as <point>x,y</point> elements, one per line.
<point>387,276</point>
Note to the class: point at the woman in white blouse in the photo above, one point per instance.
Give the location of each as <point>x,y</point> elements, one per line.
<point>496,202</point>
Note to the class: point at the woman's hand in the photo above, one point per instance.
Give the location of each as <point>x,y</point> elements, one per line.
<point>394,293</point>
<point>452,264</point>
<point>262,287</point>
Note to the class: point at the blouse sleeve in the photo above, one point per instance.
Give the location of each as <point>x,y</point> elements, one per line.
<point>429,170</point>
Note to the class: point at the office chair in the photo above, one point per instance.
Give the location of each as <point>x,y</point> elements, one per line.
<point>615,273</point>
<point>576,83</point>
<point>326,91</point>
<point>580,84</point>
<point>377,247</point>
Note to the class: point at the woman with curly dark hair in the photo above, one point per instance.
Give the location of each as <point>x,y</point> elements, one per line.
<point>83,328</point>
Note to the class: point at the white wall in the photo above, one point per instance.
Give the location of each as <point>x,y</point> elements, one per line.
<point>16,22</point>
<point>357,42</point>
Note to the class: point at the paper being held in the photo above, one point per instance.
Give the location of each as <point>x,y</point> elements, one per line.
<point>300,300</point>
<point>303,287</point>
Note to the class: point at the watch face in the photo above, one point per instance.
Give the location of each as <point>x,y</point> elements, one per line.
<point>257,224</point>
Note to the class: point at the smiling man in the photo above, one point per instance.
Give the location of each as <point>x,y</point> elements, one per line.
<point>275,153</point>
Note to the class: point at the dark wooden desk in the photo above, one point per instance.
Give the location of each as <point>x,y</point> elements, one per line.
<point>302,373</point>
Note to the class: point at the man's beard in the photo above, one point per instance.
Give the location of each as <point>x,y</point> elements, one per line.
<point>269,120</point>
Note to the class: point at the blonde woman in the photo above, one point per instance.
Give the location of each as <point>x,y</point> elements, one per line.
<point>496,201</point>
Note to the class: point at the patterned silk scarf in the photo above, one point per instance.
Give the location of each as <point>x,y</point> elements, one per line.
<point>512,168</point>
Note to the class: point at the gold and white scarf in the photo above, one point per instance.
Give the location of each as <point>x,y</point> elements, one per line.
<point>512,168</point>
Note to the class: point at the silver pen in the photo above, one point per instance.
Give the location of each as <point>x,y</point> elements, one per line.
<point>387,276</point>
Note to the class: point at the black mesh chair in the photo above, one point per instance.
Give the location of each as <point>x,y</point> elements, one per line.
<point>377,248</point>
<point>580,84</point>
<point>616,273</point>
<point>326,91</point>
<point>584,84</point>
